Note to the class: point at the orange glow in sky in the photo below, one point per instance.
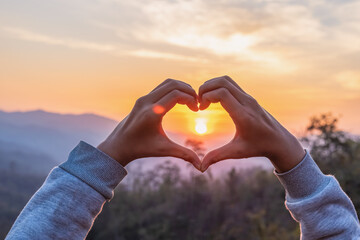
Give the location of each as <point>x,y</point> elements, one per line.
<point>100,56</point>
<point>212,126</point>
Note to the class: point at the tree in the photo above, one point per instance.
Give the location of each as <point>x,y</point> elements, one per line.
<point>336,152</point>
<point>197,146</point>
<point>325,140</point>
<point>242,204</point>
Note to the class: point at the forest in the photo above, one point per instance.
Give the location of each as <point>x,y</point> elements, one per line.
<point>161,204</point>
<point>242,204</point>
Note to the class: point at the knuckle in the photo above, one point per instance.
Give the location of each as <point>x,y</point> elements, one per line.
<point>227,77</point>
<point>224,82</point>
<point>223,91</point>
<point>252,101</point>
<point>168,80</point>
<point>140,101</point>
<point>175,93</point>
<point>212,80</point>
<point>221,80</point>
<point>176,84</point>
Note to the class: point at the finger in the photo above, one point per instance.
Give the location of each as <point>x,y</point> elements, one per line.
<point>234,83</point>
<point>167,81</point>
<point>167,102</point>
<point>168,86</point>
<point>175,150</point>
<point>226,99</point>
<point>229,79</point>
<point>223,82</point>
<point>217,155</point>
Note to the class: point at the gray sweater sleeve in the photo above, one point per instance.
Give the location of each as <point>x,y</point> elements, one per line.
<point>74,193</point>
<point>318,203</point>
<point>70,199</point>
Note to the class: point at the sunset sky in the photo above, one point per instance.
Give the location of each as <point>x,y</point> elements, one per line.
<point>297,58</point>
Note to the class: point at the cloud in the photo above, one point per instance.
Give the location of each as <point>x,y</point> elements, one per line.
<point>67,42</point>
<point>80,44</point>
<point>215,30</point>
<point>164,55</point>
<point>349,80</point>
<point>282,36</point>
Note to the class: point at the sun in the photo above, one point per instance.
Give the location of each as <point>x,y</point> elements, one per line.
<point>200,126</point>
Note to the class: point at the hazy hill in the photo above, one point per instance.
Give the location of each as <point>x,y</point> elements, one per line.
<point>15,158</point>
<point>32,143</point>
<point>51,133</point>
<point>49,137</point>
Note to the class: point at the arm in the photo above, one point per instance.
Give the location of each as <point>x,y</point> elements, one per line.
<point>315,200</point>
<point>74,193</point>
<point>70,199</point>
<point>318,203</point>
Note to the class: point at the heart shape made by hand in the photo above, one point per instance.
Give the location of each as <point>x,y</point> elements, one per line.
<point>200,131</point>
<point>257,133</point>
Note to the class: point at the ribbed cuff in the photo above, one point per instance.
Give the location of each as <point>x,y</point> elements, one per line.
<point>303,180</point>
<point>95,168</point>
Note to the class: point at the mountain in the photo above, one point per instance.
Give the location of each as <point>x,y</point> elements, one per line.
<point>15,158</point>
<point>40,138</point>
<point>32,143</point>
<point>53,134</point>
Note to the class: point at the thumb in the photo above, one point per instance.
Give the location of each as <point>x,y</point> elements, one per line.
<point>227,151</point>
<point>184,153</point>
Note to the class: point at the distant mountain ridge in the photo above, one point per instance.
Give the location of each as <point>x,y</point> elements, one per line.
<point>41,117</point>
<point>18,159</point>
<point>53,134</point>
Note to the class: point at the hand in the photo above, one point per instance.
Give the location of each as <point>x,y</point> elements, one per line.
<point>141,134</point>
<point>257,132</point>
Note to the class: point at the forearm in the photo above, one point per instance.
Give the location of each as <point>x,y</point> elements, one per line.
<point>318,203</point>
<point>67,204</point>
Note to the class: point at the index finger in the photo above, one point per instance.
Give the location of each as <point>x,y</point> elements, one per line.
<point>223,82</point>
<point>226,99</point>
<point>168,86</point>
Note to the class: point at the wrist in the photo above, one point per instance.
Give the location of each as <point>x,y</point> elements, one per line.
<point>115,151</point>
<point>287,154</point>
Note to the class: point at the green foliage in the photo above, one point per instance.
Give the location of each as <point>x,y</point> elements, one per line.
<point>242,205</point>
<point>163,204</point>
<point>337,153</point>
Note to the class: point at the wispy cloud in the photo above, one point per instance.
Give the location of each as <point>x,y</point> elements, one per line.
<point>50,40</point>
<point>285,35</point>
<point>349,80</point>
<point>164,55</point>
<point>81,44</point>
<point>285,32</point>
